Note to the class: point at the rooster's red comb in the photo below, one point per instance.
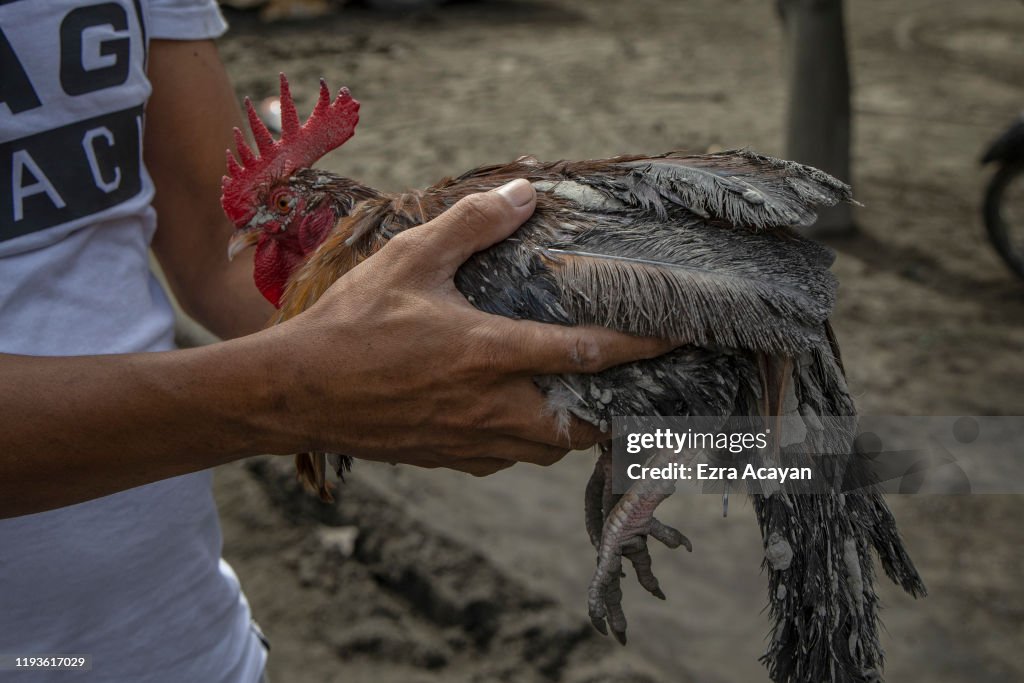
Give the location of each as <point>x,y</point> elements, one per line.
<point>300,146</point>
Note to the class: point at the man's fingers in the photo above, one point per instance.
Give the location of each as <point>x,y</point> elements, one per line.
<point>539,349</point>
<point>480,467</point>
<point>474,223</point>
<point>513,449</point>
<point>525,415</point>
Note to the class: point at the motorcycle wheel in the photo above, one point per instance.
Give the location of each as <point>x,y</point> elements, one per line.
<point>1004,214</point>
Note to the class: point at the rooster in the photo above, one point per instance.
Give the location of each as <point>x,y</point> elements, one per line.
<point>702,249</point>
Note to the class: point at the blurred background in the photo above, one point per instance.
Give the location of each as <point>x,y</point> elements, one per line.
<point>435,576</point>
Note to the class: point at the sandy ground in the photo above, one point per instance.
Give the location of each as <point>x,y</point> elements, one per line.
<point>458,579</point>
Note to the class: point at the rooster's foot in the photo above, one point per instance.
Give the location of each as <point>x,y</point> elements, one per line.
<point>624,534</point>
<point>598,503</point>
<point>599,500</point>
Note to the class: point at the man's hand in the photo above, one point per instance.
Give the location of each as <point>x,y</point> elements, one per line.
<point>394,364</point>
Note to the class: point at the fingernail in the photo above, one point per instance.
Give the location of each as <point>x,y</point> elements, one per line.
<point>518,193</point>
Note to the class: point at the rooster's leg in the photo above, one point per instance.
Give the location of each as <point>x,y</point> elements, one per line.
<point>624,534</point>
<point>598,502</point>
<point>598,499</point>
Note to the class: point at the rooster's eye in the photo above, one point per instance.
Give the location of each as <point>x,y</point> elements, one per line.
<point>282,204</point>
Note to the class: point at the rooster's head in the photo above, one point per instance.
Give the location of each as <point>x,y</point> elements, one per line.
<point>275,200</point>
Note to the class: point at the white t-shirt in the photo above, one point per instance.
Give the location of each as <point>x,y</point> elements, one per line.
<point>134,579</point>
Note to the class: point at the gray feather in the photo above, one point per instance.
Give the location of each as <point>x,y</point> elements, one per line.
<point>697,284</point>
<point>749,191</point>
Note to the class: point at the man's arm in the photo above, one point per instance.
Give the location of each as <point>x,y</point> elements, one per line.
<point>391,364</point>
<point>189,119</point>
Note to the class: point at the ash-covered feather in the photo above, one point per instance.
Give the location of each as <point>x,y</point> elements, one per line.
<point>741,188</point>
<point>688,381</point>
<point>823,603</point>
<point>687,281</point>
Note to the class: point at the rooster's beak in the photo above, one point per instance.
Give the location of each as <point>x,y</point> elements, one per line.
<point>242,240</point>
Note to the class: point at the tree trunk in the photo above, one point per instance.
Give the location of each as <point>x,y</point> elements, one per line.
<point>818,118</point>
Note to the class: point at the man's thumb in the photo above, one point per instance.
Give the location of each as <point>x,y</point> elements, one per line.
<point>476,222</point>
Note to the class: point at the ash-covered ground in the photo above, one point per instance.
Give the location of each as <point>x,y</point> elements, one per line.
<point>452,578</point>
